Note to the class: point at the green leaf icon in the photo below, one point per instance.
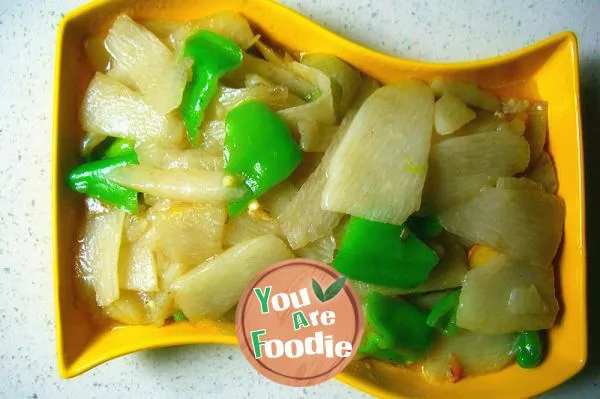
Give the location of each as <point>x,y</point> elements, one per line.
<point>317,290</point>
<point>334,289</point>
<point>330,292</point>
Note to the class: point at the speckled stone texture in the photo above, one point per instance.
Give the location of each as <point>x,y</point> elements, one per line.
<point>427,30</point>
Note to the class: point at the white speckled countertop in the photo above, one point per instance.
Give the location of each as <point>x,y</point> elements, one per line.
<point>429,30</point>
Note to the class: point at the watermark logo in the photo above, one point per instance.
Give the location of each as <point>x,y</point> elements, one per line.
<point>299,322</point>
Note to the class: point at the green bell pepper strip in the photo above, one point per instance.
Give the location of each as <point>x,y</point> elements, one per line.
<point>443,314</point>
<point>111,147</point>
<point>424,227</point>
<point>90,178</point>
<point>376,346</point>
<point>391,355</point>
<point>213,56</point>
<point>314,96</point>
<point>382,254</point>
<point>259,148</point>
<point>396,330</point>
<point>528,349</point>
<point>179,316</point>
<point>119,148</point>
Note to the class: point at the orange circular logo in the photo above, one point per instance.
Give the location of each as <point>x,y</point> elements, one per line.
<point>299,323</point>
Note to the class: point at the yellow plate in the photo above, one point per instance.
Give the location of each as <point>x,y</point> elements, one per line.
<point>547,71</point>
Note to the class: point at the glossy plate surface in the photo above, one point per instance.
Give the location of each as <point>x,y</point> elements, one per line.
<point>547,71</point>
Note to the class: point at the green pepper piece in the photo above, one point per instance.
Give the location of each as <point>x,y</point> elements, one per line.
<point>443,314</point>
<point>90,178</point>
<point>259,148</point>
<point>98,151</point>
<point>528,349</point>
<point>391,355</point>
<point>378,347</point>
<point>383,254</point>
<point>179,316</point>
<point>118,148</point>
<point>372,341</point>
<point>214,56</point>
<point>425,227</point>
<point>396,330</point>
<point>111,147</point>
<point>314,96</point>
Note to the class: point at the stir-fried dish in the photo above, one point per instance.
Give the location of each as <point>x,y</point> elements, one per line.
<point>209,155</point>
